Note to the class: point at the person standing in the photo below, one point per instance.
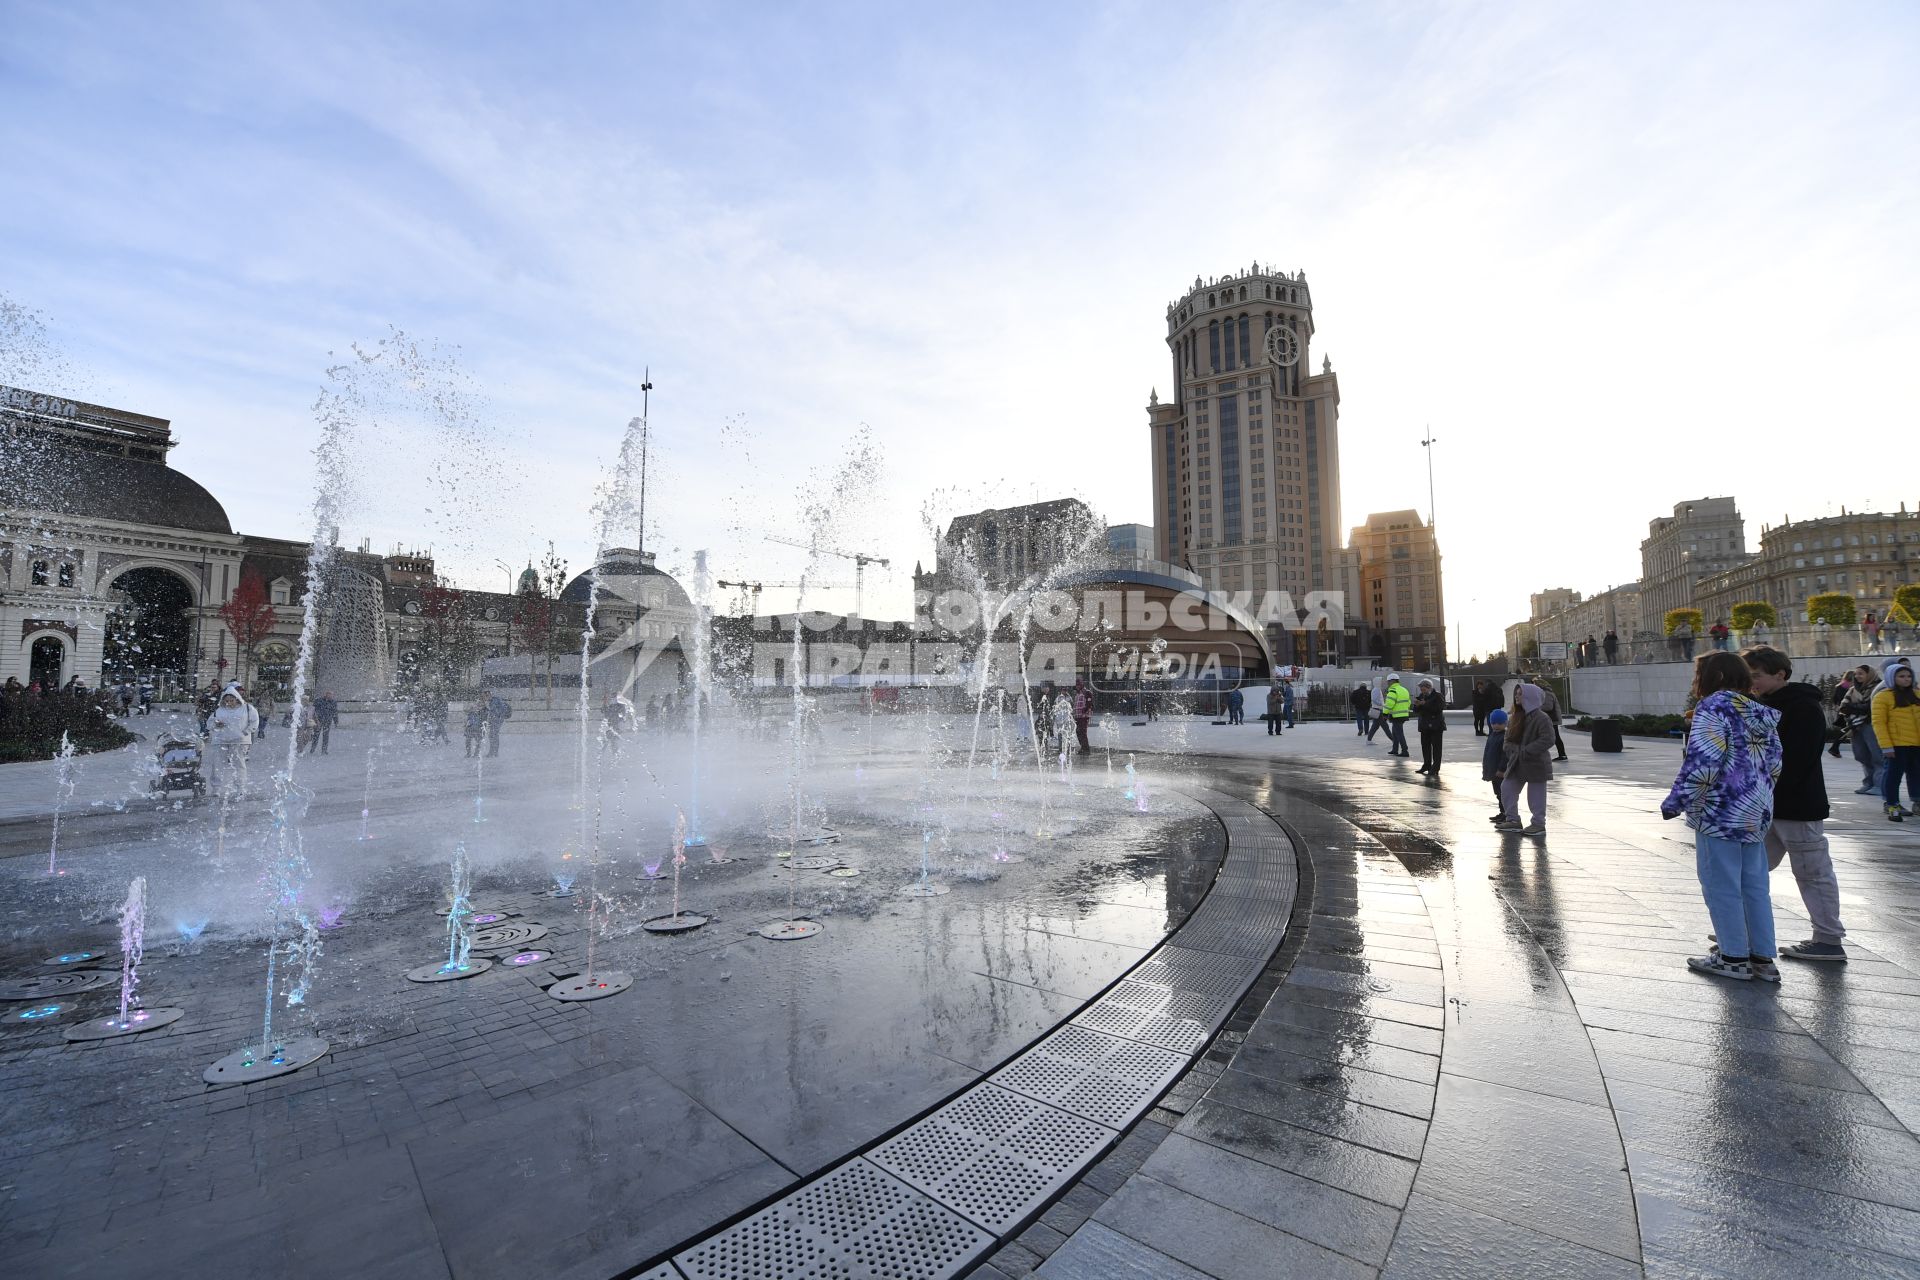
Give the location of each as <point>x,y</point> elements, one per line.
<point>1083,711</point>
<point>1493,759</point>
<point>1478,701</point>
<point>1431,710</point>
<point>1276,714</point>
<point>1856,711</point>
<point>326,713</point>
<point>263,709</point>
<point>498,712</point>
<point>1236,706</point>
<point>1527,760</point>
<point>1798,831</point>
<point>1725,789</point>
<point>1551,705</point>
<point>1890,631</point>
<point>230,728</point>
<point>1610,646</point>
<point>1397,704</point>
<point>1361,702</point>
<point>1870,628</point>
<point>1896,727</point>
<point>1683,635</point>
<point>1286,701</point>
<point>1721,633</point>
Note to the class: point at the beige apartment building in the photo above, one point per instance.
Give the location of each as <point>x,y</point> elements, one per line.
<point>1396,564</point>
<point>1246,451</point>
<point>1866,555</point>
<point>1703,537</point>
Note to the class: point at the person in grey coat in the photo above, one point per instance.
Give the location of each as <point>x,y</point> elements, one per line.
<point>1529,762</point>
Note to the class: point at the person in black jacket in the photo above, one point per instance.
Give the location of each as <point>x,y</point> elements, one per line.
<point>1430,711</point>
<point>1800,802</point>
<point>1482,704</point>
<point>1361,702</point>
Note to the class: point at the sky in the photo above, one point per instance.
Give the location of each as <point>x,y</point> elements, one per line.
<point>1613,256</point>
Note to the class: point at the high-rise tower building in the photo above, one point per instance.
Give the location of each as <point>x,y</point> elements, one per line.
<point>1246,454</point>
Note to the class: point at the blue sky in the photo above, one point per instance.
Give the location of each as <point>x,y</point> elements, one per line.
<point>1616,256</point>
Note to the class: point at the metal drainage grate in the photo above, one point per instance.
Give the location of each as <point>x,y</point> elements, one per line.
<point>1179,1034</point>
<point>1102,1078</point>
<point>993,1155</point>
<point>1204,972</point>
<point>664,1271</point>
<point>856,1221</point>
<point>1249,941</point>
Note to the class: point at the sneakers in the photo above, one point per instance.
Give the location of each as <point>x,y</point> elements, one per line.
<point>1501,817</point>
<point>1893,813</point>
<point>1536,829</point>
<point>1814,951</point>
<point>1764,970</point>
<point>1507,824</point>
<point>1867,790</point>
<point>1720,967</point>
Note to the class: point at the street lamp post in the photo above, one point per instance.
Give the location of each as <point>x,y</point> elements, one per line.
<point>1433,532</point>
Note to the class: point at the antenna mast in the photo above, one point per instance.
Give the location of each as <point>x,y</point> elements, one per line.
<point>646,386</point>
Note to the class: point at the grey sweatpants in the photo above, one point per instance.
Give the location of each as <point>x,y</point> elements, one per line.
<point>1805,844</point>
<point>1536,799</point>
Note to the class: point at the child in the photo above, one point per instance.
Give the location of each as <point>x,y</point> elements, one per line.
<point>1493,759</point>
<point>476,728</point>
<point>1725,788</point>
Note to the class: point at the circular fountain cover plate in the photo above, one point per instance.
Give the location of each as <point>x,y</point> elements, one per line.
<point>608,982</point>
<point>440,972</point>
<point>562,893</point>
<point>685,922</point>
<point>814,863</point>
<point>38,1013</point>
<point>845,873</point>
<point>520,959</point>
<point>929,890</point>
<point>789,930</point>
<point>109,1027</point>
<point>1008,857</point>
<point>504,937</point>
<point>47,986</point>
<point>75,957</point>
<point>301,1051</point>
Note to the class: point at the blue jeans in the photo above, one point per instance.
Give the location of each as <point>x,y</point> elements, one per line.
<point>1900,760</point>
<point>1733,879</point>
<point>1397,733</point>
<point>1866,750</point>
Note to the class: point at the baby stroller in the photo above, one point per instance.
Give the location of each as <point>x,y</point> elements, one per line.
<point>179,760</point>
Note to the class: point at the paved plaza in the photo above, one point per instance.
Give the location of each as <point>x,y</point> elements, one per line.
<point>1383,1039</point>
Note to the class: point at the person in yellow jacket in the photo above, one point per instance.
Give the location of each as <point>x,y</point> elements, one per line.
<point>1896,723</point>
<point>1398,704</point>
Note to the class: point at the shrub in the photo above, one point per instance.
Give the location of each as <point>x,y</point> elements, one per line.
<point>1906,604</point>
<point>1641,726</point>
<point>1692,617</point>
<point>32,728</point>
<point>1835,608</point>
<point>1749,612</point>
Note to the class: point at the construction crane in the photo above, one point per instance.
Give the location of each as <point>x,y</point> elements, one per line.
<point>860,562</point>
<point>754,589</point>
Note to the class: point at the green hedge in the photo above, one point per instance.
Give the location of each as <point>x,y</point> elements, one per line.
<point>30,728</point>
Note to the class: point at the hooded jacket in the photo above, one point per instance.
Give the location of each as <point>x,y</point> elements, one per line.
<point>232,726</point>
<point>1800,792</point>
<point>1893,724</point>
<point>1529,745</point>
<point>1725,784</point>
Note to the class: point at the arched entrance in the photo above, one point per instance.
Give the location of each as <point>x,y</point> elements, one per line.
<point>47,661</point>
<point>150,631</point>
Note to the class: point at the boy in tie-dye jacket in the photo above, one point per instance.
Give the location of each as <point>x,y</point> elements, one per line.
<point>1725,789</point>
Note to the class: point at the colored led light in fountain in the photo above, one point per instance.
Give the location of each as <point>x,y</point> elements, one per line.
<point>489,917</point>
<point>41,1011</point>
<point>525,957</point>
<point>74,957</point>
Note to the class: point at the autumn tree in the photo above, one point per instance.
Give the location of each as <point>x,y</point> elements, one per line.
<point>250,618</point>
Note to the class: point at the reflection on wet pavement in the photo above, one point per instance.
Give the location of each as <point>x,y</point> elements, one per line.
<point>1494,1043</point>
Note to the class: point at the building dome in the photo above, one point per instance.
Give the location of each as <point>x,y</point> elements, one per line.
<point>101,486</point>
<point>529,582</point>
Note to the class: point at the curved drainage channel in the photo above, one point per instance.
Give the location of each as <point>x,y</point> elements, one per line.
<point>936,1197</point>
